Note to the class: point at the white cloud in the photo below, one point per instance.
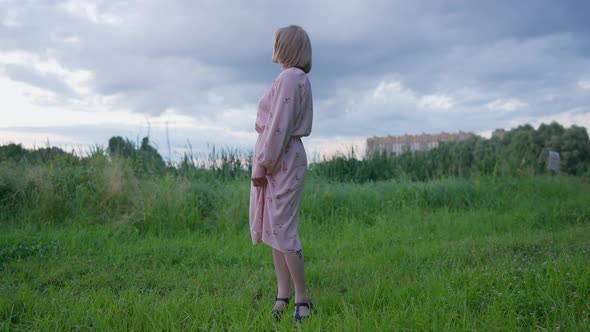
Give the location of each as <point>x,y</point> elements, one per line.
<point>392,91</point>
<point>89,10</point>
<point>436,101</point>
<point>41,139</point>
<point>124,63</point>
<point>77,79</point>
<point>324,147</point>
<point>485,133</point>
<point>387,89</point>
<point>507,105</point>
<point>29,106</point>
<point>386,100</point>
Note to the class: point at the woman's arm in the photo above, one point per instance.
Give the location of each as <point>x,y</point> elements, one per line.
<point>276,135</point>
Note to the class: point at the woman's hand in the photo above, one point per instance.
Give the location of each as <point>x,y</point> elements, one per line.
<point>259,182</point>
<point>259,176</point>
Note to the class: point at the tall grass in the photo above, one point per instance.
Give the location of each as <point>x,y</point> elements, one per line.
<point>95,244</point>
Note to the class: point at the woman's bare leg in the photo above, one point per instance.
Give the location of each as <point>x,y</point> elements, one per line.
<point>283,278</point>
<point>295,263</point>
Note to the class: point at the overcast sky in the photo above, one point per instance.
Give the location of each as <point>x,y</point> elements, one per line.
<point>75,73</point>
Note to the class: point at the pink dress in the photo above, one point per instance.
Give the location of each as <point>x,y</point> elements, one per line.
<point>284,115</point>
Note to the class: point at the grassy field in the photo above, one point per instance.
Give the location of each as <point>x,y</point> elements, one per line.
<point>102,250</point>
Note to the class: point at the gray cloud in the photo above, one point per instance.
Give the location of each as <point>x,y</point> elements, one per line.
<point>204,57</point>
<point>51,82</point>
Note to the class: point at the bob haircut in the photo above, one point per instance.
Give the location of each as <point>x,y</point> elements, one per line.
<point>292,48</point>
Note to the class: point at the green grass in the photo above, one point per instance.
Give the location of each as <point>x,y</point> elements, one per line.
<point>114,252</point>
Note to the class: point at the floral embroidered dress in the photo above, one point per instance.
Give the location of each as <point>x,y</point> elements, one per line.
<point>284,115</point>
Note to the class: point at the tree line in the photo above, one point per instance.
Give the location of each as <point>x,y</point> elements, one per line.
<point>522,150</point>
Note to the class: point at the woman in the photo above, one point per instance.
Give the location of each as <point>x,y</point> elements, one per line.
<point>284,116</point>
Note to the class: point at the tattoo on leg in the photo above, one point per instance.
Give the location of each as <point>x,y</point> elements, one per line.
<point>299,253</point>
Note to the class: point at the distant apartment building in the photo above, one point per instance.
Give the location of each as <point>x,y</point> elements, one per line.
<point>407,143</point>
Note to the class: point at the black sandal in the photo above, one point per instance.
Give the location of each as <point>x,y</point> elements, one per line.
<point>277,313</point>
<point>307,304</point>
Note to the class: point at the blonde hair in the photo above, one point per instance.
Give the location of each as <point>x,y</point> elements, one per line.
<point>292,48</point>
